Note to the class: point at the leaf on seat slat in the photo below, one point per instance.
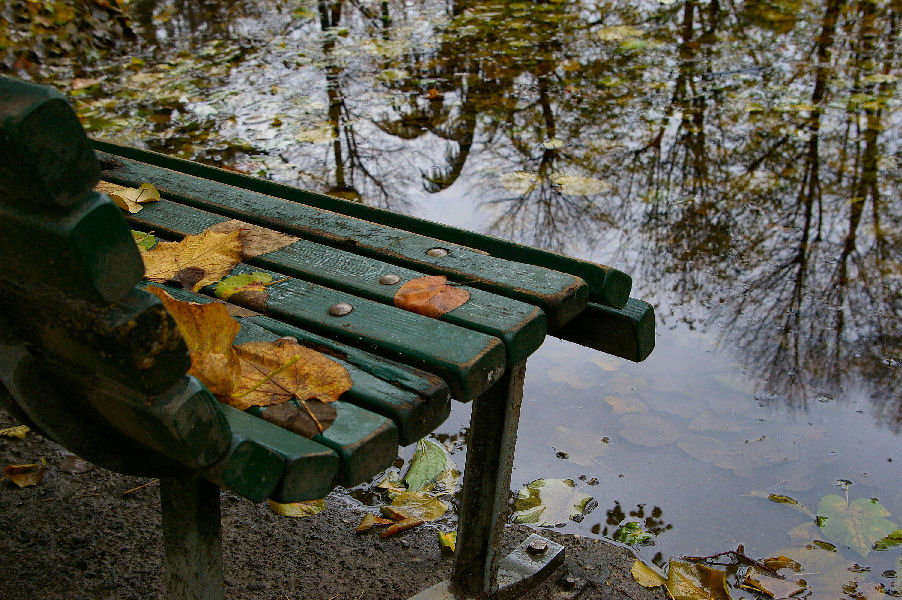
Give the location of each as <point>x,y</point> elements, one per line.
<point>255,240</point>
<point>128,198</point>
<point>430,295</point>
<point>194,262</point>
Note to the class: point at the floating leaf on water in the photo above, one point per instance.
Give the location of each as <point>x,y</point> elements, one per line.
<point>430,295</point>
<point>17,432</point>
<point>890,541</point>
<point>298,509</point>
<point>144,241</point>
<point>194,262</point>
<point>520,182</point>
<point>689,581</point>
<point>447,540</point>
<point>576,185</point>
<point>770,586</point>
<point>419,505</point>
<point>647,576</point>
<point>549,502</point>
<point>429,461</point>
<point>858,524</point>
<point>632,534</point>
<point>619,33</point>
<point>26,475</point>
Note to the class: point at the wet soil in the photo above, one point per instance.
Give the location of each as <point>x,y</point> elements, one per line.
<point>77,537</point>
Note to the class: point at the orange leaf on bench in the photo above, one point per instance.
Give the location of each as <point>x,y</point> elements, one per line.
<point>430,295</point>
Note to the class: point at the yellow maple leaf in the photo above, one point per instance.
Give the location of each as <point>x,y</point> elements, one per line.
<point>209,332</point>
<point>194,262</point>
<point>128,198</point>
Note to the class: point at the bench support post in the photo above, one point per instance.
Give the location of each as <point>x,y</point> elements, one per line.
<point>192,539</point>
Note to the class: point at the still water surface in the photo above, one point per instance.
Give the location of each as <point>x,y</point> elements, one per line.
<point>741,160</point>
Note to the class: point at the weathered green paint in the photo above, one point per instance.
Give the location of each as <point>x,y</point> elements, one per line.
<point>560,295</point>
<point>413,415</point>
<point>627,332</point>
<point>467,360</point>
<point>88,252</point>
<point>607,285</point>
<point>133,340</point>
<point>45,156</point>
<point>519,325</point>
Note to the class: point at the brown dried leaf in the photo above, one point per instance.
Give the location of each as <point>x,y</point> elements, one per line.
<point>273,372</point>
<point>25,475</point>
<point>128,198</point>
<point>369,521</point>
<point>310,419</point>
<point>194,262</point>
<point>430,295</point>
<point>209,332</point>
<point>255,240</point>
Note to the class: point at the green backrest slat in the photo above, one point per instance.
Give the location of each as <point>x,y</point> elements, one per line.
<point>45,156</point>
<point>88,252</point>
<point>627,332</point>
<point>607,285</point>
<point>414,415</point>
<point>266,461</point>
<point>560,295</point>
<point>519,325</point>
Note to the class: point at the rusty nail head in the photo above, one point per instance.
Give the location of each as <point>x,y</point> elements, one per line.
<point>389,279</point>
<point>537,547</point>
<point>437,252</point>
<point>341,309</point>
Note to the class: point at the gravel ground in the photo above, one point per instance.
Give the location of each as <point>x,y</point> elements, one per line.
<point>77,537</point>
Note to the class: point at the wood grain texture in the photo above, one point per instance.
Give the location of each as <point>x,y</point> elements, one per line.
<point>560,295</point>
<point>88,252</point>
<point>519,325</point>
<point>627,332</point>
<point>607,285</point>
<point>45,156</point>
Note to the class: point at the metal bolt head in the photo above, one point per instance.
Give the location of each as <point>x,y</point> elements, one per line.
<point>389,278</point>
<point>537,547</point>
<point>340,309</point>
<point>437,252</point>
<point>568,582</point>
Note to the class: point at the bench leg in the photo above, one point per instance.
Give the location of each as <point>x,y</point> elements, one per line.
<point>192,539</point>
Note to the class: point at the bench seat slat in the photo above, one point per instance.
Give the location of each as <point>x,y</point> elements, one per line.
<point>607,285</point>
<point>413,414</point>
<point>627,332</point>
<point>560,295</point>
<point>519,325</point>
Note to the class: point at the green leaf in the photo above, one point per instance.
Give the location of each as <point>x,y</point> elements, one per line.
<point>890,541</point>
<point>549,502</point>
<point>447,540</point>
<point>245,282</point>
<point>428,463</point>
<point>632,534</point>
<point>145,241</point>
<point>857,525</point>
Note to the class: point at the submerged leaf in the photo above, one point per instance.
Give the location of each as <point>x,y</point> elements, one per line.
<point>194,262</point>
<point>688,581</point>
<point>298,509</point>
<point>858,524</point>
<point>890,541</point>
<point>549,502</point>
<point>428,463</point>
<point>430,295</point>
<point>419,505</point>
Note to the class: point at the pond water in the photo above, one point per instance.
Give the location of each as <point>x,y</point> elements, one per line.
<point>743,161</point>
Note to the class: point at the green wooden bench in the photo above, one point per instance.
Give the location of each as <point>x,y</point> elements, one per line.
<point>95,363</point>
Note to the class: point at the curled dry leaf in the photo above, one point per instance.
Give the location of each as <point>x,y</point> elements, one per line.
<point>194,262</point>
<point>306,508</point>
<point>400,526</point>
<point>25,475</point>
<point>430,295</point>
<point>127,198</point>
<point>369,521</point>
<point>274,372</point>
<point>209,332</point>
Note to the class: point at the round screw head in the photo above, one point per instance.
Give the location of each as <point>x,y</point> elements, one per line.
<point>537,547</point>
<point>340,309</point>
<point>437,252</point>
<point>389,278</point>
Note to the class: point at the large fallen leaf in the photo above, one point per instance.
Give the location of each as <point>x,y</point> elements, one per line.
<point>194,262</point>
<point>255,240</point>
<point>428,463</point>
<point>209,332</point>
<point>274,372</point>
<point>419,505</point>
<point>25,475</point>
<point>298,509</point>
<point>688,581</point>
<point>128,198</point>
<point>430,295</point>
<point>646,576</point>
<point>549,502</point>
<point>308,418</point>
<point>858,524</point>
